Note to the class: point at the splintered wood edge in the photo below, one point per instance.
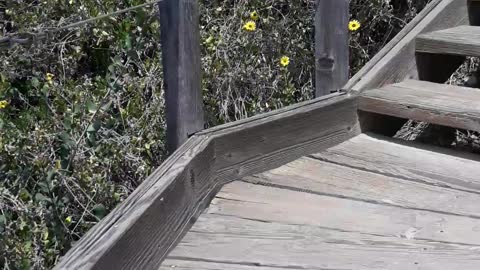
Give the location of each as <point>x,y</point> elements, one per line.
<point>139,233</point>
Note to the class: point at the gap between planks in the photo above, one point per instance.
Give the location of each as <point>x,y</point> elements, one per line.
<point>256,226</point>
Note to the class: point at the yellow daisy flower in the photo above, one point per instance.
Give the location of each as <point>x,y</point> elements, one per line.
<point>3,104</point>
<point>254,15</point>
<point>354,25</point>
<point>49,77</point>
<point>284,61</point>
<point>250,26</point>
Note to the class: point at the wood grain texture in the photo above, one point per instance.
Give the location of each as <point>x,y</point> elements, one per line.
<point>422,163</point>
<point>331,45</point>
<point>396,61</point>
<point>251,147</point>
<point>279,205</point>
<point>259,226</point>
<point>141,230</point>
<point>184,264</point>
<point>441,104</point>
<point>254,244</point>
<point>179,23</point>
<point>462,40</point>
<point>319,177</point>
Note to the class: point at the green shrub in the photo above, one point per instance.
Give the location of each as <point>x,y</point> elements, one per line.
<point>82,122</point>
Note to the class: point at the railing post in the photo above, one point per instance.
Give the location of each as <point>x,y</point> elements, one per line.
<point>331,45</point>
<point>179,26</point>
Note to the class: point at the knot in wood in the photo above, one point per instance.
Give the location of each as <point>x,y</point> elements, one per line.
<point>326,63</point>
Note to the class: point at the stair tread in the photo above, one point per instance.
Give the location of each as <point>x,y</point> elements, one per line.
<point>462,40</point>
<point>441,104</point>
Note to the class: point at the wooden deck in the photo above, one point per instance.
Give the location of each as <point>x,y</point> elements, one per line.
<point>369,203</point>
<point>363,201</point>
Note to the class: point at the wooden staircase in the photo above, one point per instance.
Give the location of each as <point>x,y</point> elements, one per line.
<point>438,55</point>
<point>321,184</point>
<point>368,203</point>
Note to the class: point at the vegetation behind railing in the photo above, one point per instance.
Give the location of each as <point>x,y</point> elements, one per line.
<point>98,89</point>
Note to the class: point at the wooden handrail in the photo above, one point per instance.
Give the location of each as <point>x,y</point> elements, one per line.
<point>139,233</point>
<point>181,61</point>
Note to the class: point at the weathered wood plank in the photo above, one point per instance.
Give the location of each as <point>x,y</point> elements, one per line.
<point>139,233</point>
<point>319,177</point>
<point>422,163</point>
<point>179,23</point>
<point>441,104</point>
<point>279,205</point>
<point>462,40</point>
<point>331,46</point>
<point>172,264</point>
<point>396,61</point>
<point>252,244</point>
<point>250,147</point>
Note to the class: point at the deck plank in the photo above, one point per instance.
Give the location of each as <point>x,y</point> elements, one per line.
<point>320,177</point>
<point>279,205</point>
<point>258,226</point>
<point>422,163</point>
<point>369,203</point>
<point>179,264</point>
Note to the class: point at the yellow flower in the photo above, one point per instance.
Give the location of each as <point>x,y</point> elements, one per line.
<point>3,104</point>
<point>254,15</point>
<point>49,77</point>
<point>68,219</point>
<point>284,61</point>
<point>250,26</point>
<point>354,25</point>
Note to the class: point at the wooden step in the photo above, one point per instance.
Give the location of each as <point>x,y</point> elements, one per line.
<point>462,40</point>
<point>440,104</point>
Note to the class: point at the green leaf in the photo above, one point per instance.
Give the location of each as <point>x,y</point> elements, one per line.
<point>100,211</point>
<point>91,129</point>
<point>128,42</point>
<point>39,197</point>
<point>50,175</point>
<point>117,60</point>
<point>24,195</point>
<point>66,139</point>
<point>107,106</point>
<point>91,107</point>
<point>35,82</point>
<point>94,127</point>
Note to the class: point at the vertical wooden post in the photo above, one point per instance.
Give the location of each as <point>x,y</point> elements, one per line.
<point>179,26</point>
<point>331,45</point>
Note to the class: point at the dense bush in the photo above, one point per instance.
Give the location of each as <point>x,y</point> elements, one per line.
<point>81,112</point>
